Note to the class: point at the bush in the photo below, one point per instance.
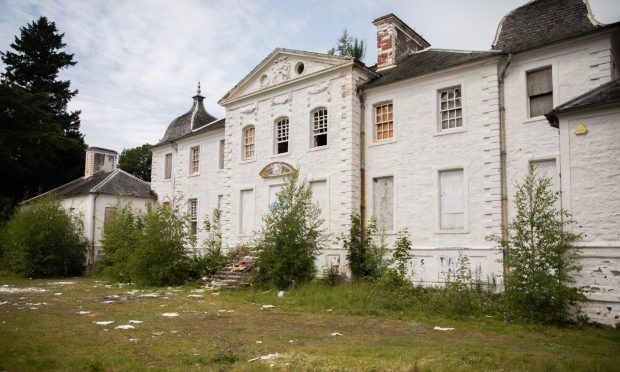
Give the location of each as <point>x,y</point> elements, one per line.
<point>539,256</point>
<point>43,240</point>
<point>400,257</point>
<point>213,258</point>
<point>365,252</point>
<point>291,238</point>
<point>331,276</point>
<point>119,242</point>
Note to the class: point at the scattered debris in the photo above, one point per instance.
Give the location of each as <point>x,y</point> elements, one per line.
<point>264,307</point>
<point>291,341</point>
<point>281,294</point>
<point>259,342</point>
<point>4,302</point>
<point>83,312</point>
<point>62,283</point>
<point>157,334</point>
<point>136,321</point>
<point>329,310</point>
<point>57,294</point>
<point>92,315</point>
<point>195,296</point>
<point>108,286</point>
<point>415,324</point>
<point>124,326</point>
<point>335,334</point>
<point>197,291</point>
<point>170,315</point>
<point>266,357</point>
<point>442,329</point>
<point>133,340</point>
<point>8,289</point>
<point>150,295</point>
<point>104,322</point>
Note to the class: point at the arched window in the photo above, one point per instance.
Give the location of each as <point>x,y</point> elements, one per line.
<point>282,131</point>
<point>319,127</point>
<point>249,139</point>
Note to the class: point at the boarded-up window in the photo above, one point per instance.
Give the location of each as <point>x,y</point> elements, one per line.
<point>194,155</point>
<point>540,91</point>
<point>383,199</point>
<point>220,201</point>
<point>246,220</point>
<point>273,192</point>
<point>109,215</point>
<point>192,206</point>
<point>168,166</point>
<point>546,168</point>
<point>451,200</point>
<point>384,122</point>
<point>321,197</point>
<point>221,156</point>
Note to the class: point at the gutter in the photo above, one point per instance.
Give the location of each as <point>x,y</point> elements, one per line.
<point>92,228</point>
<point>360,96</point>
<point>502,149</point>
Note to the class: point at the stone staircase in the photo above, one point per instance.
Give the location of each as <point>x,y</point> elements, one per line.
<point>235,274</point>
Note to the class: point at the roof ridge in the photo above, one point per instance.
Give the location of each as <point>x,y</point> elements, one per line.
<point>105,180</point>
<point>209,123</point>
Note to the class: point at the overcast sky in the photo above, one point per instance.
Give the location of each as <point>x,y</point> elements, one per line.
<point>139,61</point>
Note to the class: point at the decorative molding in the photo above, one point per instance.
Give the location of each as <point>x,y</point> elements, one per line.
<point>248,109</point>
<point>276,169</point>
<point>281,71</point>
<point>281,100</point>
<point>320,88</point>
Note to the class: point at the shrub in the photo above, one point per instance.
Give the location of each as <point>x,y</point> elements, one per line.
<point>365,252</point>
<point>213,257</point>
<point>291,237</point>
<point>331,276</point>
<point>119,242</point>
<point>402,254</point>
<point>42,240</point>
<point>539,256</point>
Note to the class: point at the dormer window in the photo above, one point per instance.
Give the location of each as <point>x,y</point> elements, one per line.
<point>282,130</point>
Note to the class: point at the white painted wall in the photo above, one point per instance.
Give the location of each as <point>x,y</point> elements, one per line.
<point>419,151</point>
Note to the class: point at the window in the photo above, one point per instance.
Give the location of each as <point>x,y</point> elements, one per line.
<point>451,200</point>
<point>384,122</point>
<point>273,195</point>
<point>220,201</point>
<point>540,91</point>
<point>319,128</point>
<point>168,166</point>
<point>321,197</point>
<point>383,202</point>
<point>450,108</point>
<point>248,143</point>
<point>246,219</point>
<point>109,215</point>
<point>194,156</point>
<point>282,136</point>
<point>192,206</point>
<point>221,156</point>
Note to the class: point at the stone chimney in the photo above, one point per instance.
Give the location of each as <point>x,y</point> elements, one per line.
<point>394,40</point>
<point>99,159</point>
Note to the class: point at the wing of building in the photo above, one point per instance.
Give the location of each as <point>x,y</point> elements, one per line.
<point>427,139</point>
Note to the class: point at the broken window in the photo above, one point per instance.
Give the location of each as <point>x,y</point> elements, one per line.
<point>451,200</point>
<point>540,91</point>
<point>221,155</point>
<point>194,160</point>
<point>248,142</point>
<point>246,219</point>
<point>384,122</point>
<point>168,166</point>
<point>319,128</point>
<point>383,199</point>
<point>192,206</point>
<point>282,130</point>
<point>450,108</point>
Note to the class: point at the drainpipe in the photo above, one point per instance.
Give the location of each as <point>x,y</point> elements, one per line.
<point>92,229</point>
<point>503,161</point>
<point>360,95</point>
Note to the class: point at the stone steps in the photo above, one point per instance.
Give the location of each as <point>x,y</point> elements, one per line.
<point>234,274</point>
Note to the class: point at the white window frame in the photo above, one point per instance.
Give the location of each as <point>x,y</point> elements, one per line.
<point>248,149</point>
<point>438,229</point>
<point>194,160</point>
<point>375,123</point>
<point>240,208</point>
<point>192,211</point>
<point>458,106</point>
<point>319,126</point>
<point>167,169</point>
<point>282,135</point>
<point>394,196</point>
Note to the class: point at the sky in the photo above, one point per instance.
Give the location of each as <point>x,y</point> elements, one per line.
<point>139,61</point>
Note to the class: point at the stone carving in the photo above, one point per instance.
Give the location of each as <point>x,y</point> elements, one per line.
<point>281,100</point>
<point>319,88</point>
<point>281,70</point>
<point>248,109</point>
<point>276,169</point>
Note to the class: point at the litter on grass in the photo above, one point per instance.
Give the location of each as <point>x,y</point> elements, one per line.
<point>4,302</point>
<point>83,312</point>
<point>104,322</point>
<point>195,296</point>
<point>264,307</point>
<point>63,283</point>
<point>442,329</point>
<point>266,357</point>
<point>281,294</point>
<point>259,342</point>
<point>170,315</point>
<point>136,321</point>
<point>124,326</point>
<point>8,289</point>
<point>150,295</point>
<point>335,334</point>
<point>57,294</point>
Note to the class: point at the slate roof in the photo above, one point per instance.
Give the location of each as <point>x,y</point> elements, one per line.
<point>602,95</point>
<point>116,182</point>
<point>542,22</point>
<point>196,117</point>
<point>425,62</point>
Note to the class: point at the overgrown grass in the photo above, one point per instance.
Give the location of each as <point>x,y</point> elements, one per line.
<point>379,332</point>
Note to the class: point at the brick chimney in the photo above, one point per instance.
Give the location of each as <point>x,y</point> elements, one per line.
<point>99,159</point>
<point>394,40</point>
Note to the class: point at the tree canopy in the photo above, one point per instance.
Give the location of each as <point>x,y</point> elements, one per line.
<point>41,145</point>
<point>137,161</point>
<point>347,45</point>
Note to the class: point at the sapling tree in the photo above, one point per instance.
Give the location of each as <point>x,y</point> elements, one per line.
<point>539,255</point>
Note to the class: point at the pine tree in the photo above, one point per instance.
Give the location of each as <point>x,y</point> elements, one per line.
<point>346,45</point>
<point>46,150</point>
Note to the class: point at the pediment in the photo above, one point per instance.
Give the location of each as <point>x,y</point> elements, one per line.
<point>281,67</point>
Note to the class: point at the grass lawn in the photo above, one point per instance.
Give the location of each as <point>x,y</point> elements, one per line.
<point>41,328</point>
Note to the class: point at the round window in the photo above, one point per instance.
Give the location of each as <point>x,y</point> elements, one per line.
<point>264,80</point>
<point>299,68</point>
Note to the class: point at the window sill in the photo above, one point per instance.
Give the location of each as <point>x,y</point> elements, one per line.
<point>193,175</point>
<point>281,155</point>
<point>534,119</point>
<point>253,160</point>
<point>318,148</point>
<point>446,132</point>
<point>381,143</point>
<point>455,231</point>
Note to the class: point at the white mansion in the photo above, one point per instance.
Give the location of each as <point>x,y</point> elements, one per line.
<point>427,139</point>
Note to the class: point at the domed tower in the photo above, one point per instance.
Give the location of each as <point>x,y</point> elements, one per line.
<point>197,117</point>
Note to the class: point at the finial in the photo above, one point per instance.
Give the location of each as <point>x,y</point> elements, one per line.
<point>199,88</point>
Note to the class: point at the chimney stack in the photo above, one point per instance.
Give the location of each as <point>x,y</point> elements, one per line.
<point>99,159</point>
<point>394,40</point>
